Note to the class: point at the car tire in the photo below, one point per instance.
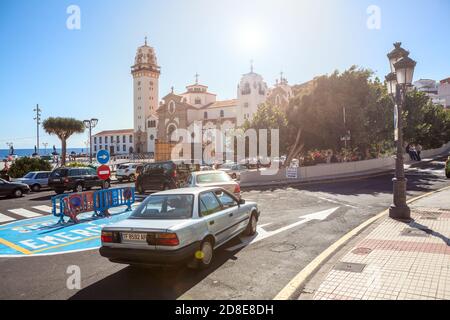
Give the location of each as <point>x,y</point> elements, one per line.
<point>18,193</point>
<point>448,175</point>
<point>106,184</point>
<point>251,226</point>
<point>132,178</point>
<point>59,191</point>
<point>234,176</point>
<point>36,188</point>
<point>78,188</point>
<point>206,251</point>
<point>120,180</point>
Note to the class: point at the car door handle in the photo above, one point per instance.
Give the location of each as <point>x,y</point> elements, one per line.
<point>211,222</point>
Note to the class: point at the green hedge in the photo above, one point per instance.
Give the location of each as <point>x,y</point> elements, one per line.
<point>22,166</point>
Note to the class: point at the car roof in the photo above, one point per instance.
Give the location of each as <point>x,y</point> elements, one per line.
<point>196,173</point>
<point>192,190</point>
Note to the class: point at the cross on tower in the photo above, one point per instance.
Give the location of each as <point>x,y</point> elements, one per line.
<point>251,66</point>
<point>145,40</point>
<point>196,78</point>
<point>281,76</point>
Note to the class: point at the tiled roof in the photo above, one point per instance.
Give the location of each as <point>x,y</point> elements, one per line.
<point>114,132</point>
<point>222,104</point>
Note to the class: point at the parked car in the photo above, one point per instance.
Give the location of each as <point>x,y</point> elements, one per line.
<point>166,175</point>
<point>233,169</point>
<point>179,226</point>
<point>447,168</point>
<point>15,189</point>
<point>127,171</point>
<point>76,179</point>
<point>214,178</point>
<point>36,180</point>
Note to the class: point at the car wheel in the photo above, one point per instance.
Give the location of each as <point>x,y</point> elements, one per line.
<point>251,227</point>
<point>78,188</point>
<point>18,193</point>
<point>120,180</point>
<point>132,178</point>
<point>234,176</point>
<point>204,255</point>
<point>106,184</point>
<point>59,191</point>
<point>36,188</point>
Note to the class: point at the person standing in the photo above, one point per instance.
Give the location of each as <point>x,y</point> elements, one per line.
<point>419,151</point>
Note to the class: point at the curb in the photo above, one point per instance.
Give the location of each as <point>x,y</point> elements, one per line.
<point>289,292</point>
<point>336,179</point>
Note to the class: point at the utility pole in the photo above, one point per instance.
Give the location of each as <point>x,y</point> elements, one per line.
<point>38,122</point>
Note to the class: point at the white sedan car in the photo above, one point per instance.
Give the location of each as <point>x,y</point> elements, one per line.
<point>179,226</point>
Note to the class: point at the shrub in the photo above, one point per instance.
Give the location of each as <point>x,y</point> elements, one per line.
<point>77,165</point>
<point>22,166</point>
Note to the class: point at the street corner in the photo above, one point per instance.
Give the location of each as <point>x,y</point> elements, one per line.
<point>45,236</point>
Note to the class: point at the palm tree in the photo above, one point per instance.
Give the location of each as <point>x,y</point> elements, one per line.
<point>63,128</point>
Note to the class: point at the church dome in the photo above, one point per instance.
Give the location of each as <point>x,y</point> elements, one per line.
<point>145,55</point>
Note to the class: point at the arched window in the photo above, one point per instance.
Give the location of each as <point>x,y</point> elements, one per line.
<point>171,106</point>
<point>222,114</point>
<point>205,115</point>
<point>198,100</point>
<point>278,100</point>
<point>170,132</point>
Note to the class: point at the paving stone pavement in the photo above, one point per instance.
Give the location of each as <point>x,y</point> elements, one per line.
<point>396,261</point>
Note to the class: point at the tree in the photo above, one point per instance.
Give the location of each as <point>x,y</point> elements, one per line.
<point>425,123</point>
<point>268,117</point>
<point>63,128</point>
<point>316,116</point>
<point>22,166</point>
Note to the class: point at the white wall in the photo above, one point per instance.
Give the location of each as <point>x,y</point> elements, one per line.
<point>334,170</point>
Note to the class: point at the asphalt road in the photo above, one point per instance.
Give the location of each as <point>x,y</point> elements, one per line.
<point>240,270</point>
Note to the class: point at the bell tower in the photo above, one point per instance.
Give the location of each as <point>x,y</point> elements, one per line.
<point>145,73</point>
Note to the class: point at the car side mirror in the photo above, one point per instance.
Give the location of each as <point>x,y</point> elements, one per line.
<point>241,201</point>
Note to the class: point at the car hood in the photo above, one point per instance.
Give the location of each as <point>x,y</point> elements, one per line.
<point>229,186</point>
<point>149,224</point>
<point>19,184</point>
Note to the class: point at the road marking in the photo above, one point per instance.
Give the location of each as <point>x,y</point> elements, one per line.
<point>47,209</point>
<point>5,218</point>
<point>337,202</point>
<point>263,234</point>
<point>15,247</point>
<point>25,213</point>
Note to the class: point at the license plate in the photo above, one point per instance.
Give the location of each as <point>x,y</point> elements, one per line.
<point>134,236</point>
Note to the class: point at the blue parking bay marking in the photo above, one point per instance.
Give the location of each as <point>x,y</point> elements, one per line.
<point>44,236</point>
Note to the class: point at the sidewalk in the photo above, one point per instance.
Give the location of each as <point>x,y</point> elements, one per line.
<point>392,260</point>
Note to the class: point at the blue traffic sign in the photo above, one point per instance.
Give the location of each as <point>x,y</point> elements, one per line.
<point>103,156</point>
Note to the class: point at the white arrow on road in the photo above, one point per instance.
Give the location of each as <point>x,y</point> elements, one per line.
<point>263,234</point>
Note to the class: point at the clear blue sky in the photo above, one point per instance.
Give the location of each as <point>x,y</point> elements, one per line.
<point>86,73</point>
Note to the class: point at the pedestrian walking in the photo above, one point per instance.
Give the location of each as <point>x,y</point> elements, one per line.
<point>419,151</point>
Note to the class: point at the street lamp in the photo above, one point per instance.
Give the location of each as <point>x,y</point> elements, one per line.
<point>398,81</point>
<point>90,124</point>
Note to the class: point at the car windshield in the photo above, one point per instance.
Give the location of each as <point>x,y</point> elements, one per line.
<point>29,175</point>
<point>165,207</point>
<point>213,177</point>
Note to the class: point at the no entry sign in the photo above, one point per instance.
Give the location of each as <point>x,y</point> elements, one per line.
<point>104,172</point>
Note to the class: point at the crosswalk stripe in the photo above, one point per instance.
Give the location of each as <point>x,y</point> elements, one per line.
<point>5,218</point>
<point>47,209</point>
<point>25,213</point>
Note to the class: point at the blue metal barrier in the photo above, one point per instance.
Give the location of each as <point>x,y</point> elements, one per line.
<point>73,204</point>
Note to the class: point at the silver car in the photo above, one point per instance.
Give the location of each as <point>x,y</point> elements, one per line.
<point>36,180</point>
<point>179,226</point>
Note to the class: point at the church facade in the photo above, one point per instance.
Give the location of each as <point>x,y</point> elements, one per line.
<point>155,121</point>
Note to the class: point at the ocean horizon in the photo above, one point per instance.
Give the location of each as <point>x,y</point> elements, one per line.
<point>42,152</point>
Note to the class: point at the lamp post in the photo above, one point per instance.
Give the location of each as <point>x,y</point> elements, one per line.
<point>398,81</point>
<point>89,124</point>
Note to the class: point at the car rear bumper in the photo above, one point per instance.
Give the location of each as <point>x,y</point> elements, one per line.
<point>150,257</point>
